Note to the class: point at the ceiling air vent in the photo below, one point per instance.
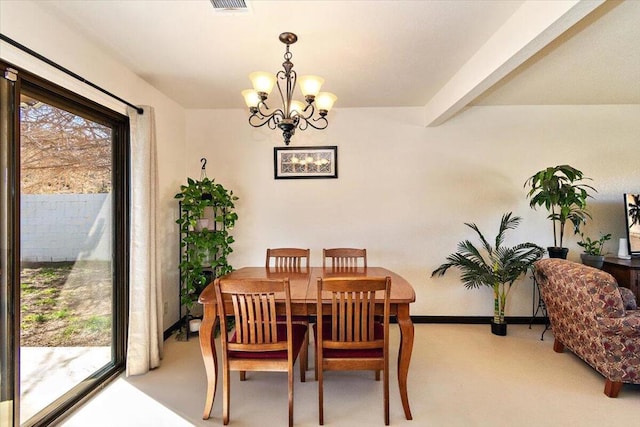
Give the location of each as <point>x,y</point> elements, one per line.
<point>230,6</point>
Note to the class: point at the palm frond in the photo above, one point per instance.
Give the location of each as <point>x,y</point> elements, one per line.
<point>506,223</point>
<point>467,249</point>
<point>484,241</point>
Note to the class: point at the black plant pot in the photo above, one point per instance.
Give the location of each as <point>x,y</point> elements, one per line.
<point>595,261</point>
<point>556,252</point>
<point>498,328</point>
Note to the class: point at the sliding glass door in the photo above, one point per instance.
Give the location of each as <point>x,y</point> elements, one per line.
<point>69,289</point>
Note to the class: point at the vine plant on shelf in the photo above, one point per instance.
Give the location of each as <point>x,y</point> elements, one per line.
<point>206,217</point>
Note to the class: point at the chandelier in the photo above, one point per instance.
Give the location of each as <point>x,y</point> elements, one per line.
<point>293,114</point>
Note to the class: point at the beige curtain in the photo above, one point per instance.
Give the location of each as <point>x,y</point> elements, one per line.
<point>144,346</point>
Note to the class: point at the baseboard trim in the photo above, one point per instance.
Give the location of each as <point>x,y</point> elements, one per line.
<point>476,320</point>
<point>468,320</point>
<point>173,328</point>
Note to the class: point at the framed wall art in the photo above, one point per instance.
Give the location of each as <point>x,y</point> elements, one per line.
<point>632,211</point>
<point>305,162</point>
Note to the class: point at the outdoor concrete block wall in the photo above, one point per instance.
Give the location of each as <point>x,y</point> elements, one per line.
<point>65,227</point>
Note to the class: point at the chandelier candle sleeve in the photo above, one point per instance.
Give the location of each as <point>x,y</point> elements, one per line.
<point>263,82</point>
<point>293,114</point>
<point>325,101</point>
<point>310,85</point>
<point>251,98</point>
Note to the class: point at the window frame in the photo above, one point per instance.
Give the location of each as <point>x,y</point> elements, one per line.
<point>33,85</point>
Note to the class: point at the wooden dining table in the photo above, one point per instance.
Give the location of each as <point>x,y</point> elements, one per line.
<point>303,284</point>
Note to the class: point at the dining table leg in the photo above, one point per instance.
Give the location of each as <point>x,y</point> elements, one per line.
<point>404,355</point>
<point>209,357</point>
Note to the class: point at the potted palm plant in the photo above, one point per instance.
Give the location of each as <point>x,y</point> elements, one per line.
<point>497,267</point>
<point>593,250</point>
<point>561,191</point>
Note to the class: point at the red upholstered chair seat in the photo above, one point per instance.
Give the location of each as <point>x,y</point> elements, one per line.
<point>298,331</point>
<point>378,331</point>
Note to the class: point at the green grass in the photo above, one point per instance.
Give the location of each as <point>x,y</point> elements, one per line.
<point>97,323</point>
<point>27,288</point>
<point>48,275</point>
<point>70,331</point>
<point>55,313</point>
<point>61,314</point>
<point>35,318</point>
<point>46,301</point>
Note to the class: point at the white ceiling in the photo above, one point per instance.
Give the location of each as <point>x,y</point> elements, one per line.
<point>372,53</point>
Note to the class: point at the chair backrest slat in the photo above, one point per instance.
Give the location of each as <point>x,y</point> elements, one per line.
<point>353,316</point>
<point>254,311</point>
<point>353,309</point>
<point>287,258</point>
<point>344,257</point>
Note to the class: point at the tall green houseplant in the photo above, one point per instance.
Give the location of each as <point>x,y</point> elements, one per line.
<point>497,266</point>
<point>207,215</point>
<point>561,191</point>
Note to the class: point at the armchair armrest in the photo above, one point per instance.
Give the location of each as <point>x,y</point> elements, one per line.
<point>627,325</point>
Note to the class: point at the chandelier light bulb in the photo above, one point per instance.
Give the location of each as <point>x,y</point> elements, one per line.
<point>262,81</point>
<point>251,98</point>
<point>297,106</point>
<point>325,101</point>
<point>310,85</point>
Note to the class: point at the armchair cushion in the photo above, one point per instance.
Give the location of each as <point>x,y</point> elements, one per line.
<point>627,325</point>
<point>628,298</point>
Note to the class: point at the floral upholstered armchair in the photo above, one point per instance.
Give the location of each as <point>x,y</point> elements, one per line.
<point>593,318</point>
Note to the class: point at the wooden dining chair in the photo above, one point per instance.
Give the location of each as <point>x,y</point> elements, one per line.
<point>344,257</point>
<point>259,342</point>
<point>291,260</point>
<point>340,259</point>
<point>287,258</point>
<point>350,337</point>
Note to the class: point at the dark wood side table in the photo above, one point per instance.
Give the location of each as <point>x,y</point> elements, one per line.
<point>625,271</point>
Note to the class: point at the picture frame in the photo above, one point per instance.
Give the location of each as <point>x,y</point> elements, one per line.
<point>632,216</point>
<point>305,162</point>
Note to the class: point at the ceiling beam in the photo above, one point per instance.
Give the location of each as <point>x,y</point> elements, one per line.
<point>533,26</point>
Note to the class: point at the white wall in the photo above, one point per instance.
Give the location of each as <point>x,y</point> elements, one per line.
<point>404,191</point>
<point>31,25</point>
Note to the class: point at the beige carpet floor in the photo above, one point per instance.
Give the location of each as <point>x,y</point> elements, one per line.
<point>460,375</point>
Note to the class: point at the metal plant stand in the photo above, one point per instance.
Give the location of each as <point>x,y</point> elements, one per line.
<point>538,306</point>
